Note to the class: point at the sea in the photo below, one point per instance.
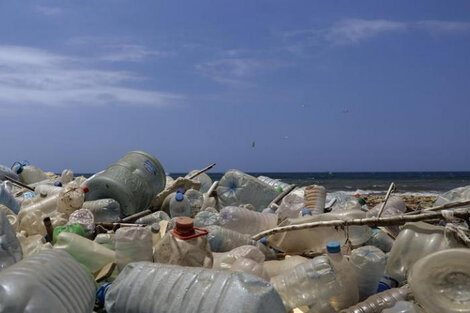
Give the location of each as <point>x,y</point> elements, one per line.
<point>420,183</point>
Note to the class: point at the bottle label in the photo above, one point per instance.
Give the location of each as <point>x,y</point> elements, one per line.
<point>150,167</point>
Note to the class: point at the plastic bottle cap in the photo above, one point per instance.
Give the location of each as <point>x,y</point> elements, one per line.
<point>180,190</point>
<point>264,241</point>
<point>333,247</point>
<point>184,226</point>
<point>58,184</point>
<point>179,196</point>
<point>85,189</point>
<point>304,212</point>
<point>18,168</point>
<point>279,189</point>
<point>101,293</point>
<point>361,201</point>
<point>155,228</point>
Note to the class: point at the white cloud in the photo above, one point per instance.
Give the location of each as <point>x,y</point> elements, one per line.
<point>116,50</point>
<point>231,71</point>
<point>30,76</point>
<point>356,30</point>
<point>49,11</point>
<point>444,26</point>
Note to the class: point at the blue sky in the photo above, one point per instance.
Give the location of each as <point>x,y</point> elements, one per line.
<point>319,86</point>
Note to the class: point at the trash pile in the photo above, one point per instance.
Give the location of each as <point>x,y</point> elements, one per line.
<point>131,239</point>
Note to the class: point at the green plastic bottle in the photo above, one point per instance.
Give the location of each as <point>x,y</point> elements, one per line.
<point>72,228</point>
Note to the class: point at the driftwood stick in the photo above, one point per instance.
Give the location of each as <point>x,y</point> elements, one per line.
<point>389,192</point>
<point>18,183</point>
<point>118,225</point>
<point>281,196</point>
<point>373,221</point>
<point>205,169</point>
<point>136,216</point>
<point>444,207</point>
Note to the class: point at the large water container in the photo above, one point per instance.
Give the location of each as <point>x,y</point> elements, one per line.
<point>368,263</point>
<point>151,287</point>
<point>179,205</point>
<point>10,248</point>
<point>104,210</point>
<point>237,188</point>
<point>50,281</point>
<point>246,221</point>
<point>441,281</point>
<point>203,178</point>
<point>133,181</point>
<point>29,174</point>
<point>275,267</point>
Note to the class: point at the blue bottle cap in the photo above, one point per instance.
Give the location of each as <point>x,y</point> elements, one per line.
<point>180,190</point>
<point>264,241</point>
<point>383,286</point>
<point>58,184</point>
<point>179,196</point>
<point>304,212</point>
<point>333,247</point>
<point>17,168</point>
<point>101,293</point>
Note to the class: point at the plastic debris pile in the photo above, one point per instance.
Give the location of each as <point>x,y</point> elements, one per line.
<point>133,239</point>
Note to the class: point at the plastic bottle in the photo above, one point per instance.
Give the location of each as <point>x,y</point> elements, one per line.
<point>380,301</point>
<point>185,245</point>
<point>273,182</point>
<point>48,190</point>
<point>290,206</point>
<point>155,217</point>
<point>66,176</point>
<point>345,277</point>
<point>203,178</point>
<point>250,266</point>
<point>104,210</point>
<point>195,199</point>
<point>415,241</point>
<point>133,181</point>
<point>402,307</point>
<point>180,206</point>
<point>246,221</point>
<point>10,248</point>
<point>28,174</point>
<point>107,240</point>
<point>236,188</point>
<point>71,228</point>
<point>50,281</point>
<point>5,171</point>
<point>30,245</point>
<point>84,218</point>
<point>8,199</point>
<point>381,240</point>
<point>133,244</point>
<point>368,263</point>
<point>88,253</point>
<point>206,218</point>
<point>225,260</point>
<point>440,281</point>
<point>71,198</point>
<point>31,216</point>
<point>274,267</point>
<point>315,197</point>
<point>142,287</point>
<point>307,284</point>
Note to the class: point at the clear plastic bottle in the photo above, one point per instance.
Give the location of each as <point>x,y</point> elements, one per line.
<point>185,245</point>
<point>380,301</point>
<point>5,171</point>
<point>90,254</point>
<point>440,281</point>
<point>368,263</point>
<point>203,178</point>
<point>206,218</point>
<point>196,200</point>
<point>290,206</point>
<point>10,248</point>
<point>153,218</point>
<point>29,174</point>
<point>50,281</point>
<point>273,182</point>
<point>66,176</point>
<point>225,260</point>
<point>275,267</point>
<point>107,240</point>
<point>104,210</point>
<point>8,199</point>
<point>133,244</point>
<point>345,277</point>
<point>180,206</point>
<point>250,266</point>
<point>381,240</point>
<point>246,221</point>
<point>152,287</point>
<point>71,198</point>
<point>403,307</point>
<point>315,197</point>
<point>48,190</point>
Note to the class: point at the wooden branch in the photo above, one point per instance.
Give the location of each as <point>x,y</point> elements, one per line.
<point>281,196</point>
<point>205,169</point>
<point>389,192</point>
<point>18,183</point>
<point>441,207</point>
<point>132,218</point>
<point>373,221</point>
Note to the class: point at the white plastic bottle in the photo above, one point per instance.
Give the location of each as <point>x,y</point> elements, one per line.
<point>275,267</point>
<point>179,206</point>
<point>345,276</point>
<point>368,263</point>
<point>246,221</point>
<point>29,174</point>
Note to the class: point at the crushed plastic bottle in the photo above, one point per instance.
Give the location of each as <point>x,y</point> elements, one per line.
<point>198,290</point>
<point>71,198</point>
<point>50,281</point>
<point>180,206</point>
<point>206,218</point>
<point>246,221</point>
<point>290,206</point>
<point>275,267</point>
<point>185,245</point>
<point>368,264</point>
<point>153,218</point>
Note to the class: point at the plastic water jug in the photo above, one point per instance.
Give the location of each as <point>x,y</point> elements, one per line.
<point>50,281</point>
<point>88,253</point>
<point>290,206</point>
<point>133,244</point>
<point>381,240</point>
<point>237,188</point>
<point>196,200</point>
<point>133,182</point>
<point>246,221</point>
<point>104,210</point>
<point>441,281</point>
<point>27,173</point>
<point>206,218</point>
<point>185,245</point>
<point>203,178</point>
<point>380,301</point>
<point>275,267</point>
<point>415,241</point>
<point>146,287</point>
<point>10,248</point>
<point>403,307</point>
<point>153,218</point>
<point>179,205</point>
<point>368,263</point>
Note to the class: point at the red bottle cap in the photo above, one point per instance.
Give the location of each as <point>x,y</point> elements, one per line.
<point>85,189</point>
<point>184,226</point>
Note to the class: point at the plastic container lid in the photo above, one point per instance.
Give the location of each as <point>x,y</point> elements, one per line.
<point>333,247</point>
<point>101,293</point>
<point>85,189</point>
<point>184,226</point>
<point>179,196</point>
<point>58,184</point>
<point>279,189</point>
<point>264,241</point>
<point>304,212</point>
<point>361,201</point>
